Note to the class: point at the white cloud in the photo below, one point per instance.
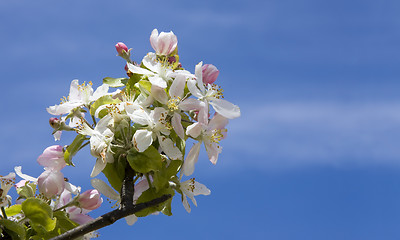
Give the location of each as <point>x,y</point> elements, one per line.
<point>292,134</point>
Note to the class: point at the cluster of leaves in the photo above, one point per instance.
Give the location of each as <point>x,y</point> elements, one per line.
<point>34,216</point>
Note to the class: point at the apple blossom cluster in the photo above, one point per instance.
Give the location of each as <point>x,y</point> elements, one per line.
<point>139,124</point>
<point>45,206</point>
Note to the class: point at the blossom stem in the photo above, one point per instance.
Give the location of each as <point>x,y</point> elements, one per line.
<point>148,180</point>
<point>94,120</point>
<point>72,203</point>
<point>84,145</point>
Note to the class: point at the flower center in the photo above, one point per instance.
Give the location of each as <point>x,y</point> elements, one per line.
<point>173,103</point>
<point>215,91</point>
<point>218,135</point>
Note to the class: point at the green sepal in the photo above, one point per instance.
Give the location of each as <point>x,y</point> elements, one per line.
<point>144,86</point>
<point>144,162</point>
<point>130,89</point>
<point>73,148</point>
<point>115,82</point>
<point>15,230</point>
<point>27,191</point>
<point>39,213</point>
<point>13,210</point>
<point>151,194</point>
<point>107,99</point>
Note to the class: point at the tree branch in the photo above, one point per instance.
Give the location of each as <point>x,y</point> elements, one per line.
<point>109,218</point>
<point>126,208</point>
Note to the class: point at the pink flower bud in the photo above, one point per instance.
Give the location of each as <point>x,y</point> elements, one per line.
<point>121,47</point>
<point>210,73</point>
<point>52,158</point>
<point>55,122</point>
<point>163,43</point>
<point>90,199</point>
<point>51,183</point>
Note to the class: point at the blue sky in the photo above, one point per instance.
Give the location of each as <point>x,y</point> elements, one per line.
<point>316,152</point>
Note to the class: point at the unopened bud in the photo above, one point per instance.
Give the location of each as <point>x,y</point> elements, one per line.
<point>163,43</point>
<point>210,73</point>
<point>121,47</point>
<point>51,183</point>
<point>59,125</point>
<point>90,199</point>
<point>54,122</point>
<point>52,158</point>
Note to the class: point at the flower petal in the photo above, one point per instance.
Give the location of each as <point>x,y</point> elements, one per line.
<point>140,116</point>
<point>100,91</point>
<point>194,130</point>
<point>154,39</point>
<point>18,171</point>
<point>138,70</point>
<point>98,167</point>
<point>177,88</point>
<point>191,104</point>
<point>192,86</point>
<point>105,189</point>
<point>225,108</point>
<point>199,76</point>
<point>169,148</point>
<point>131,219</point>
<point>142,139</point>
<point>159,94</point>
<point>217,122</point>
<point>213,150</point>
<point>177,125</point>
<point>191,159</point>
<point>185,203</point>
<point>158,81</point>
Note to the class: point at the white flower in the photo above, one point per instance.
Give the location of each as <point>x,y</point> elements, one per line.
<point>210,134</point>
<point>191,188</point>
<point>211,95</point>
<point>100,140</point>
<point>79,95</point>
<point>157,127</point>
<point>175,102</point>
<point>158,74</point>
<point>107,191</point>
<point>6,183</point>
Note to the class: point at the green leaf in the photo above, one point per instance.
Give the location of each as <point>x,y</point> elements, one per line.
<point>73,148</point>
<point>39,213</point>
<point>107,99</point>
<point>63,222</point>
<point>144,162</point>
<point>15,230</point>
<point>13,210</point>
<point>151,194</point>
<point>161,177</point>
<point>115,82</point>
<point>114,175</point>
